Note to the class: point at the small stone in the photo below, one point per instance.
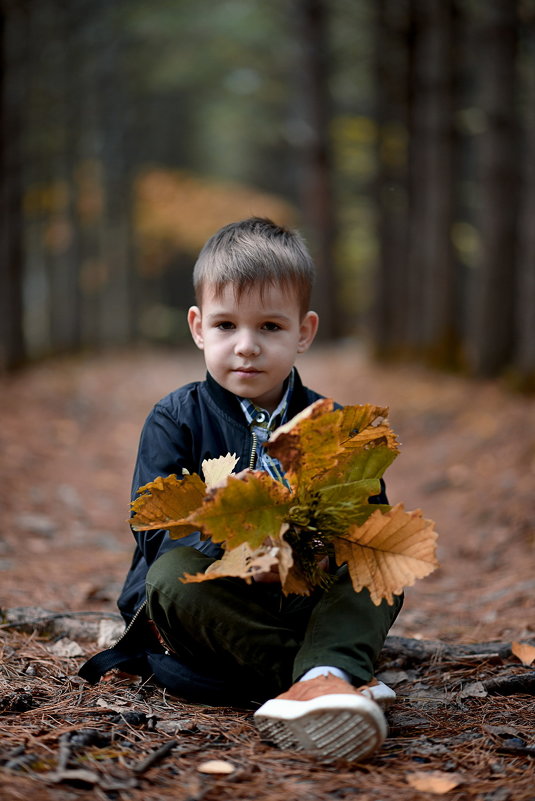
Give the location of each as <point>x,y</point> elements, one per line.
<point>109,632</point>
<point>216,766</point>
<point>37,524</point>
<point>66,647</point>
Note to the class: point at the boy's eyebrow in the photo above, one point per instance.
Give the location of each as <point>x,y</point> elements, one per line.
<point>265,314</point>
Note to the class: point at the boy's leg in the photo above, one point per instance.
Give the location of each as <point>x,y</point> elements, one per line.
<point>326,715</point>
<point>346,630</point>
<point>224,625</point>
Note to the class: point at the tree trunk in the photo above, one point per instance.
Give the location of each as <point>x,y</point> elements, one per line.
<point>316,184</point>
<point>391,191</point>
<point>12,93</point>
<point>431,271</point>
<point>524,346</point>
<point>116,307</point>
<point>493,281</point>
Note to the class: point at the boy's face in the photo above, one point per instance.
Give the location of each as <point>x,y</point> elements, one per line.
<point>250,343</point>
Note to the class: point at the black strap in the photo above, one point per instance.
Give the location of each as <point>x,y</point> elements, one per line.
<point>129,649</point>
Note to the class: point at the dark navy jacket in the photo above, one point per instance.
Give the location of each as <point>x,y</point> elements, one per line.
<point>201,420</point>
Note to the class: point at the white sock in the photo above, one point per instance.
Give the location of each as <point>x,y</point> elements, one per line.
<point>324,670</point>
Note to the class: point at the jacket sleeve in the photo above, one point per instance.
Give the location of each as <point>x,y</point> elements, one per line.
<point>382,497</point>
<point>165,448</point>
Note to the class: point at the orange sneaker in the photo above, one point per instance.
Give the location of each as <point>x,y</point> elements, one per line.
<point>328,717</point>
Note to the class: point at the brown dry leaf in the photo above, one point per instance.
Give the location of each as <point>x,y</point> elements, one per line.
<point>248,509</point>
<point>216,766</point>
<point>291,580</point>
<point>245,563</point>
<point>362,425</point>
<point>388,552</point>
<point>305,448</point>
<point>434,781</point>
<point>217,470</point>
<point>310,449</point>
<point>241,562</point>
<point>524,652</point>
<point>165,502</point>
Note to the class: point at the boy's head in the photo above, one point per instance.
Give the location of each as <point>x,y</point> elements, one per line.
<point>255,253</point>
<point>253,281</point>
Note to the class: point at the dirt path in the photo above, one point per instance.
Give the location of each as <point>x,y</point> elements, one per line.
<point>68,437</point>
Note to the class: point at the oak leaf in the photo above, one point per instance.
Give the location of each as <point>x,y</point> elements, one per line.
<point>245,563</point>
<point>324,445</point>
<point>362,425</point>
<point>292,580</point>
<point>333,461</point>
<point>240,562</point>
<point>215,471</point>
<point>165,502</point>
<point>305,448</point>
<point>388,552</point>
<point>248,509</point>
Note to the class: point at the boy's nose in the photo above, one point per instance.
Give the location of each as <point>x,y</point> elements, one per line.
<point>247,346</point>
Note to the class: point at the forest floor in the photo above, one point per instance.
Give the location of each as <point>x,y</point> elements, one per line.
<point>68,437</point>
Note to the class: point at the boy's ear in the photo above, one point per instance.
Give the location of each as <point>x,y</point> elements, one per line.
<point>195,325</point>
<point>307,331</point>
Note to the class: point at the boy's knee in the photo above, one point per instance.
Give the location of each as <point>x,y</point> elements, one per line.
<point>165,573</point>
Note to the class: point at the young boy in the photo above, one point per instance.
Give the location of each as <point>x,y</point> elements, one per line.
<point>308,660</point>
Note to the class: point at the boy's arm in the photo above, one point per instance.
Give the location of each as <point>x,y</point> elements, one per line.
<point>382,497</point>
<point>165,447</point>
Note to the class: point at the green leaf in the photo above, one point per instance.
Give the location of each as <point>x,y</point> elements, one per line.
<point>248,509</point>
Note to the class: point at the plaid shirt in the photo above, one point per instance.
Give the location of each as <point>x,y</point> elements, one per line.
<point>262,425</point>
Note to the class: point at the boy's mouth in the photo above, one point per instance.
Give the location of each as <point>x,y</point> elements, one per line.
<point>246,370</point>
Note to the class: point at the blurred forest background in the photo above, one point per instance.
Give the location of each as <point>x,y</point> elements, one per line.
<point>398,135</point>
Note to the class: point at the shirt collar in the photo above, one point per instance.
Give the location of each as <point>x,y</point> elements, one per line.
<point>261,418</point>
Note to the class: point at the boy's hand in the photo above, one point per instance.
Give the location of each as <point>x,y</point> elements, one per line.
<point>273,575</point>
<point>269,577</point>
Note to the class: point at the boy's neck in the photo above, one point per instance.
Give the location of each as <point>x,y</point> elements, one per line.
<point>287,390</point>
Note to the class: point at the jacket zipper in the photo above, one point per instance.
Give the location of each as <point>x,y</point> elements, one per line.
<point>131,624</point>
<point>252,458</point>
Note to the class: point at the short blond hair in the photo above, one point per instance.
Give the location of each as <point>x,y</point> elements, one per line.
<point>255,252</point>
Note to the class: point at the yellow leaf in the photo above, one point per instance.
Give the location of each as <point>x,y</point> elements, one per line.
<point>524,652</point>
<point>216,470</point>
<point>248,509</point>
<point>434,781</point>
<point>361,425</point>
<point>321,442</point>
<point>388,552</point>
<point>304,446</point>
<point>165,502</point>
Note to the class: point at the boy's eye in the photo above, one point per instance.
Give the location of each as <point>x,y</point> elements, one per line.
<point>271,326</point>
<point>225,325</point>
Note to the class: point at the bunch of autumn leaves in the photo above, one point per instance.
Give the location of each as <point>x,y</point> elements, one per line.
<point>333,461</point>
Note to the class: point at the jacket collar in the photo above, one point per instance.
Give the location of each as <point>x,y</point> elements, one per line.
<point>229,402</point>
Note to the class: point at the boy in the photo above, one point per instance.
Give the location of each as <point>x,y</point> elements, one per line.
<point>225,640</point>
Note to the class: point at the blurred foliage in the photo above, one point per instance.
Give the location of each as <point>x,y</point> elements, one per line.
<point>389,132</point>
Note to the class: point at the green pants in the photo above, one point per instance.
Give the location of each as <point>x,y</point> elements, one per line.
<point>234,628</point>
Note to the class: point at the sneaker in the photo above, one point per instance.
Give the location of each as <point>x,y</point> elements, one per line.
<point>327,717</point>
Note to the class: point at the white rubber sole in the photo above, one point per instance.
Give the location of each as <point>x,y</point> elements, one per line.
<point>381,693</point>
<point>340,726</point>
